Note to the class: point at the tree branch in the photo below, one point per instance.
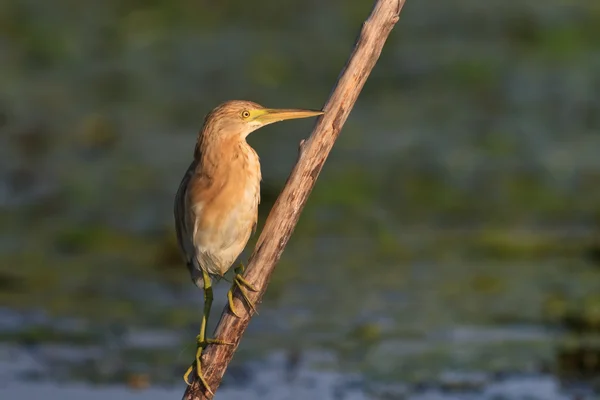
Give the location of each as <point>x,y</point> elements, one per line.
<point>285,213</point>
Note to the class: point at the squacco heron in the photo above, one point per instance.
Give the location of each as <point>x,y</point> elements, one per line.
<point>216,206</point>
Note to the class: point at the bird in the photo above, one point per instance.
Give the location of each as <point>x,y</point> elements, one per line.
<point>216,204</point>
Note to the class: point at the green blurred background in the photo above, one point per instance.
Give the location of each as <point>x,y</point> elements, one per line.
<point>452,240</point>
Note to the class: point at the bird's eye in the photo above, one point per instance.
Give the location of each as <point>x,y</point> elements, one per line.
<point>245,114</point>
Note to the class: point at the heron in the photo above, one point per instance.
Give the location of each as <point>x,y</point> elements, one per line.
<point>216,205</point>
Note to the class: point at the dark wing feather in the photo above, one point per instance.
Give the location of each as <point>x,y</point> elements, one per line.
<point>184,236</point>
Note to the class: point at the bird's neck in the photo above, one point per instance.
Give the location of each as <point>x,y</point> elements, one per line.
<point>224,154</point>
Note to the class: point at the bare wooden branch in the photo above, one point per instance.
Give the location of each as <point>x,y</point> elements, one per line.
<point>285,213</point>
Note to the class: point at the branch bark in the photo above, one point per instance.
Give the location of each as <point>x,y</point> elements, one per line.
<point>285,212</point>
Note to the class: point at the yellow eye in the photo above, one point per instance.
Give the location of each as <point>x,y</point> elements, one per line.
<point>245,114</point>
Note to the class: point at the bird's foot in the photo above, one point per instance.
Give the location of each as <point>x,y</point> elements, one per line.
<point>197,364</point>
<point>242,284</point>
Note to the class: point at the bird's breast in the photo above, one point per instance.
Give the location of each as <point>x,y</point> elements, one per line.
<point>227,212</point>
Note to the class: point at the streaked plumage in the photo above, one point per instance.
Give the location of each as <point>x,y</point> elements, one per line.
<point>216,205</point>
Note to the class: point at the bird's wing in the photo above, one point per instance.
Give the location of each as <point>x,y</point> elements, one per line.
<point>182,226</point>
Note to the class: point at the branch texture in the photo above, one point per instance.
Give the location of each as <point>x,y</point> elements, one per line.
<point>285,213</point>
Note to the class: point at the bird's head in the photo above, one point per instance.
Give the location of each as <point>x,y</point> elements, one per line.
<point>239,118</point>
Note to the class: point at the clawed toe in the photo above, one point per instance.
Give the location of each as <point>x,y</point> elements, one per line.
<point>242,285</point>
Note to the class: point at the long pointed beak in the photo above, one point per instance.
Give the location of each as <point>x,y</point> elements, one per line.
<point>270,115</point>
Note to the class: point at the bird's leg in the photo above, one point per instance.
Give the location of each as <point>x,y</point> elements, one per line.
<point>201,341</point>
<point>242,284</point>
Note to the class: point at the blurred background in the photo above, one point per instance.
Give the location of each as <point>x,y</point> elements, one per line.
<point>451,247</point>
